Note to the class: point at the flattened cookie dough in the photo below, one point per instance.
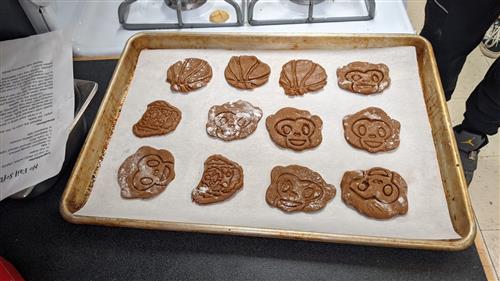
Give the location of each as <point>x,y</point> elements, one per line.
<point>302,76</point>
<point>189,74</point>
<point>146,173</point>
<point>294,128</point>
<point>296,188</point>
<point>377,193</point>
<point>233,120</point>
<point>246,72</point>
<point>371,129</point>
<point>160,118</point>
<point>364,77</point>
<point>221,179</point>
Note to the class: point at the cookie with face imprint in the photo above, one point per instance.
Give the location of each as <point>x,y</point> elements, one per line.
<point>221,179</point>
<point>296,188</point>
<point>302,76</point>
<point>188,75</point>
<point>377,193</point>
<point>363,77</point>
<point>246,72</point>
<point>295,129</point>
<point>233,120</point>
<point>160,118</point>
<point>146,173</point>
<point>371,129</point>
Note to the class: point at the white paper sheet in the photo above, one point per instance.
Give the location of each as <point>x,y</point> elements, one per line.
<point>415,159</point>
<point>36,109</point>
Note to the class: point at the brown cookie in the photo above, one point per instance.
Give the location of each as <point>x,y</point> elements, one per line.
<point>302,76</point>
<point>146,173</point>
<point>294,128</point>
<point>233,120</point>
<point>189,74</point>
<point>372,130</point>
<point>221,179</point>
<point>377,193</point>
<point>246,72</point>
<point>160,118</point>
<point>296,188</point>
<point>364,77</point>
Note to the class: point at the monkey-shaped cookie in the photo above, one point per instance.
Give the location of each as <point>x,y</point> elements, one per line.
<point>371,129</point>
<point>146,173</point>
<point>378,193</point>
<point>296,188</point>
<point>294,128</point>
<point>233,120</point>
<point>363,77</point>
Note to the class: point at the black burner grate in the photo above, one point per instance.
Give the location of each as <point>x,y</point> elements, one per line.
<point>124,7</point>
<point>370,7</point>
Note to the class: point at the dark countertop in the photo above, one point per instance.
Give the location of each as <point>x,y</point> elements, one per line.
<point>35,238</point>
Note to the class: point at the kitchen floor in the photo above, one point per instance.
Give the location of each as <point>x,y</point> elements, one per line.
<point>485,188</point>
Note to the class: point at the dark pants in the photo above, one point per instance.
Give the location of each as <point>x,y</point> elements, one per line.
<point>455,28</point>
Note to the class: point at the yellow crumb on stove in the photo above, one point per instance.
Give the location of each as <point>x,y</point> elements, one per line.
<point>219,16</point>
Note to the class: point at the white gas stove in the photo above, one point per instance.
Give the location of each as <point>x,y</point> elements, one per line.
<point>98,29</point>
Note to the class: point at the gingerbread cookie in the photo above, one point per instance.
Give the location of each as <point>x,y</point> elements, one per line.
<point>246,72</point>
<point>221,179</point>
<point>296,188</point>
<point>146,173</point>
<point>233,120</point>
<point>377,193</point>
<point>372,130</point>
<point>160,118</point>
<point>364,77</point>
<point>188,75</point>
<point>294,128</point>
<point>302,76</point>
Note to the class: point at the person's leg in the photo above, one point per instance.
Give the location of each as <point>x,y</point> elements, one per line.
<point>482,114</point>
<point>481,118</point>
<point>455,28</point>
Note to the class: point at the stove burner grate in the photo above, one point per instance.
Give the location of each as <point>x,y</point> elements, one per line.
<point>179,6</point>
<point>186,5</point>
<point>370,7</point>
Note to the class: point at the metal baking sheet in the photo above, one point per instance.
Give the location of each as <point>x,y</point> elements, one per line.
<point>416,159</point>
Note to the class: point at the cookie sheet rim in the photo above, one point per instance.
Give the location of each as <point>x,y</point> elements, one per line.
<point>79,185</point>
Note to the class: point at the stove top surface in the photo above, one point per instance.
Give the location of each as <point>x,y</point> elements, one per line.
<point>95,30</point>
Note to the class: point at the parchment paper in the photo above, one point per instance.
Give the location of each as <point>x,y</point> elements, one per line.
<point>415,159</point>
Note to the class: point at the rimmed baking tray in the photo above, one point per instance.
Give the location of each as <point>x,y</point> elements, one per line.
<point>79,186</point>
